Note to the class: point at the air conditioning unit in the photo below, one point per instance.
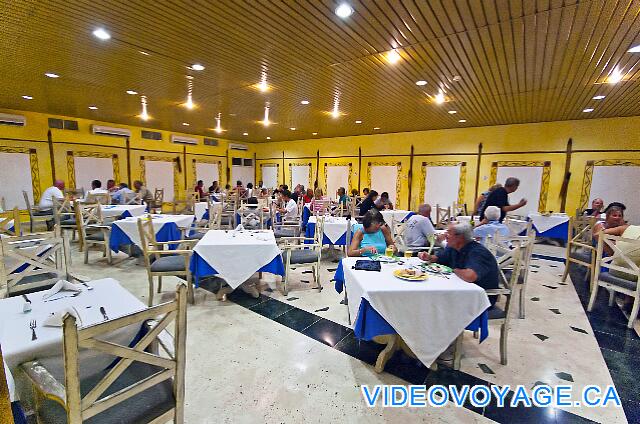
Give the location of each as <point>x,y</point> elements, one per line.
<point>180,139</point>
<point>235,146</point>
<point>17,120</point>
<point>112,131</point>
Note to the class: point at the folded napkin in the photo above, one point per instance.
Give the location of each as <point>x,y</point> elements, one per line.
<point>239,228</point>
<point>55,319</point>
<point>59,286</point>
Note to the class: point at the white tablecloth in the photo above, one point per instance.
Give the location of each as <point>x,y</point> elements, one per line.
<point>117,210</point>
<point>334,227</point>
<point>396,215</point>
<point>130,225</point>
<point>544,223</point>
<point>236,256</point>
<point>15,334</point>
<point>200,208</point>
<point>428,315</point>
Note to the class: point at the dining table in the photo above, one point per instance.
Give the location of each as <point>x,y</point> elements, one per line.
<point>122,211</point>
<point>334,229</point>
<point>124,232</point>
<point>396,215</point>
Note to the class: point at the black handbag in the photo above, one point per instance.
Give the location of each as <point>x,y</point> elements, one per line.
<point>365,265</point>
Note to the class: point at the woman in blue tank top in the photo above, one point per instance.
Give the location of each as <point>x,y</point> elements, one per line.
<point>372,236</point>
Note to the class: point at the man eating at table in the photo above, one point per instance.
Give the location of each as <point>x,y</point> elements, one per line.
<point>290,209</point>
<point>470,260</point>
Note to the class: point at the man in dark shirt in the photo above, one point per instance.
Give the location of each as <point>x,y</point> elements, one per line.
<point>500,198</point>
<point>596,208</point>
<point>470,260</point>
<point>369,202</point>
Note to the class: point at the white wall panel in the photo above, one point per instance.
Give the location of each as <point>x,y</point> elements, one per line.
<point>441,185</point>
<point>159,174</point>
<point>530,186</point>
<point>384,178</point>
<point>208,173</point>
<point>270,176</point>
<point>618,184</point>
<point>300,175</point>
<point>337,176</point>
<point>88,169</point>
<point>15,174</point>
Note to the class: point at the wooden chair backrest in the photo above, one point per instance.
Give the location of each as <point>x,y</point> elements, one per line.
<point>102,198</point>
<point>87,214</point>
<point>517,226</point>
<point>148,239</point>
<point>32,255</point>
<point>27,202</point>
<point>619,261</point>
<point>459,209</point>
<point>246,212</point>
<point>581,230</point>
<point>77,193</point>
<point>171,363</point>
<point>507,259</point>
<point>443,215</point>
<point>10,223</point>
<point>62,209</point>
<point>318,207</point>
<point>215,215</point>
<point>398,229</point>
<point>130,198</point>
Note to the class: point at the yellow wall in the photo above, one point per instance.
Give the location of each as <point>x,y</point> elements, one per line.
<point>34,136</point>
<point>593,139</point>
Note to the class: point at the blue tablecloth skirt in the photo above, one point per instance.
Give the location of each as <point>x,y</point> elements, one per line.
<point>125,214</point>
<point>310,230</point>
<point>306,213</point>
<point>558,232</point>
<point>168,232</point>
<point>201,268</point>
<point>369,323</point>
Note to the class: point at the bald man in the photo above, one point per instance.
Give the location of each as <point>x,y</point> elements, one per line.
<point>596,207</point>
<point>46,201</point>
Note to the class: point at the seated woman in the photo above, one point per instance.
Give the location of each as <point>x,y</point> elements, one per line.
<point>317,203</point>
<point>383,201</point>
<point>372,236</point>
<point>308,197</point>
<point>613,224</point>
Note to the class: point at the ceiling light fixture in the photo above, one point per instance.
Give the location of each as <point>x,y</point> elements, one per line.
<point>101,33</point>
<point>266,121</point>
<point>262,85</point>
<point>587,110</point>
<point>598,97</point>
<point>344,10</point>
<point>462,120</point>
<point>634,49</point>
<point>27,97</point>
<point>358,121</point>
<point>219,129</point>
<point>51,75</point>
<point>131,92</point>
<point>615,76</point>
<point>144,115</point>
<point>93,107</point>
<point>421,82</point>
<point>268,138</point>
<point>197,67</point>
<point>393,56</point>
<point>457,78</point>
<point>336,106</point>
<point>439,98</point>
<point>376,128</point>
<point>304,102</point>
<point>186,124</point>
<point>246,133</point>
<point>189,103</point>
<point>314,133</point>
<point>453,111</point>
<point>144,53</point>
<point>292,128</point>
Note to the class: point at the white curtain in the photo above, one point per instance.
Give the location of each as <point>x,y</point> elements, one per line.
<point>337,176</point>
<point>618,184</point>
<point>270,176</point>
<point>384,178</point>
<point>300,175</point>
<point>208,173</point>
<point>15,174</point>
<point>442,184</point>
<point>88,169</point>
<point>241,173</point>
<point>530,186</point>
<point>159,175</point>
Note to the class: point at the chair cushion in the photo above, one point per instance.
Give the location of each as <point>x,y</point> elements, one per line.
<point>496,313</point>
<point>581,255</point>
<point>17,291</point>
<point>143,407</point>
<point>617,281</point>
<point>196,236</point>
<point>284,232</point>
<point>99,236</point>
<point>168,263</point>
<point>301,256</point>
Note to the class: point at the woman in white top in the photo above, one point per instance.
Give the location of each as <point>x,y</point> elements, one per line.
<point>290,209</point>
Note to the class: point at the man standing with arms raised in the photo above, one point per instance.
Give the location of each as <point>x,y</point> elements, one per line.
<point>500,198</point>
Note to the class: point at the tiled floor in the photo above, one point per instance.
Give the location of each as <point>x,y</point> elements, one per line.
<point>295,359</point>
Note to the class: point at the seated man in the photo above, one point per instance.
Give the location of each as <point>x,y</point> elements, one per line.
<point>144,193</point>
<point>419,228</point>
<point>290,209</point>
<point>120,196</point>
<point>470,260</point>
<point>46,200</point>
<point>596,208</point>
<point>111,186</point>
<point>383,201</point>
<point>342,196</point>
<point>492,225</point>
<point>96,188</point>
<point>199,188</point>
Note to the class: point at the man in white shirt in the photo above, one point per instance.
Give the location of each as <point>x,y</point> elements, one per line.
<point>419,227</point>
<point>492,227</point>
<point>290,209</point>
<point>96,188</point>
<point>46,200</point>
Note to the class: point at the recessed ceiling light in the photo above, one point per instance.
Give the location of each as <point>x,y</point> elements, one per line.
<point>598,97</point>
<point>268,138</point>
<point>304,102</point>
<point>144,53</point>
<point>457,78</point>
<point>186,124</point>
<point>344,10</point>
<point>421,82</point>
<point>292,128</point>
<point>453,111</point>
<point>93,107</point>
<point>246,133</point>
<point>635,49</point>
<point>314,133</point>
<point>52,75</point>
<point>102,34</point>
<point>27,97</point>
<point>587,110</point>
<point>393,56</point>
<point>439,98</point>
<point>358,122</point>
<point>376,128</point>
<point>462,120</point>
<point>131,92</point>
<point>197,67</point>
<point>615,76</point>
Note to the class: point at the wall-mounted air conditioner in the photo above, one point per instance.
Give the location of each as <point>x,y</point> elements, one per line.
<point>112,131</point>
<point>235,146</point>
<point>17,120</point>
<point>180,139</point>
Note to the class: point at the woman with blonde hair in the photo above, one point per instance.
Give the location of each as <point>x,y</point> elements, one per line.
<point>317,203</point>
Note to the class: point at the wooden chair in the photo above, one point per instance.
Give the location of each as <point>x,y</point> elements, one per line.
<point>215,216</point>
<point>303,252</point>
<point>459,209</point>
<point>75,193</point>
<point>10,223</point>
<point>160,262</point>
<point>130,198</point>
<point>35,214</point>
<point>319,207</point>
<point>285,228</point>
<point>102,198</point>
<point>398,229</point>
<point>443,216</point>
<point>157,202</point>
<point>185,206</point>
<point>252,218</point>
<point>580,249</point>
<point>34,262</point>
<point>142,387</point>
<point>64,216</point>
<point>517,226</point>
<point>617,273</point>
<point>92,229</point>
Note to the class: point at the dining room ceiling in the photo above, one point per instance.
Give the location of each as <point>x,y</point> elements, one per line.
<point>492,62</point>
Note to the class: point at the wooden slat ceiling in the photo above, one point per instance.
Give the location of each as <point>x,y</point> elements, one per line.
<point>513,62</point>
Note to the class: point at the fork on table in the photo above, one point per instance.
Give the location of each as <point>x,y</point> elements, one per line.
<point>32,326</point>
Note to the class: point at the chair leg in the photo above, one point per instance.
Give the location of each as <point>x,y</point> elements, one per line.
<point>159,283</point>
<point>634,312</point>
<point>592,299</point>
<point>612,297</point>
<point>150,301</point>
<point>503,344</point>
<point>457,354</point>
<point>31,225</point>
<point>190,290</point>
<point>108,250</point>
<point>522,303</point>
<point>566,271</point>
<point>86,254</point>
